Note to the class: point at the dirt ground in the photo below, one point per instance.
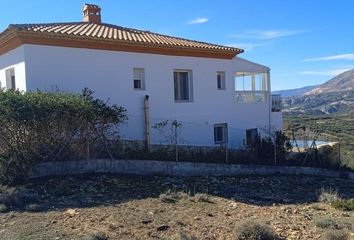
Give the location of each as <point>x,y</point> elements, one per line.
<point>133,207</point>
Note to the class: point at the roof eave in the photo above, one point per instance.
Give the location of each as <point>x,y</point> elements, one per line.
<point>12,38</point>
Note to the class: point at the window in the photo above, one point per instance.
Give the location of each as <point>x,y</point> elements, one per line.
<point>251,82</point>
<point>251,136</point>
<point>10,78</point>
<point>251,87</point>
<point>139,78</point>
<point>183,86</point>
<point>220,78</point>
<point>220,133</point>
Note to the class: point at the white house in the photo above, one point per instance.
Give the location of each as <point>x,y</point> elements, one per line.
<point>216,95</point>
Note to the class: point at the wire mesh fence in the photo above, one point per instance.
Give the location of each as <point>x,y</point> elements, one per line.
<point>175,140</point>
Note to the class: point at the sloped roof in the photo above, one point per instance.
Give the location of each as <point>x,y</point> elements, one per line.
<point>115,34</point>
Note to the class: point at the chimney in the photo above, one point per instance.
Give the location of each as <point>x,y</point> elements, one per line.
<point>92,13</point>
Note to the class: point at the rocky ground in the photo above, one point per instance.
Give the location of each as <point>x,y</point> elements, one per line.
<point>132,207</point>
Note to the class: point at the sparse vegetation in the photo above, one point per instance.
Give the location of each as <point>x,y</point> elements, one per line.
<point>130,207</point>
<point>184,236</point>
<point>254,230</point>
<point>344,204</point>
<point>3,208</point>
<point>324,222</point>
<point>201,197</point>
<point>335,235</point>
<point>172,196</point>
<point>328,195</point>
<point>96,236</point>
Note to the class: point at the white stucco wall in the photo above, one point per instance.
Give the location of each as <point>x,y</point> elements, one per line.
<point>110,75</point>
<point>14,59</point>
<point>277,120</point>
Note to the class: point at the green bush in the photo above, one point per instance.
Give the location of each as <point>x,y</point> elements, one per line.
<point>324,222</point>
<point>254,230</point>
<point>345,204</point>
<point>3,208</point>
<point>39,126</point>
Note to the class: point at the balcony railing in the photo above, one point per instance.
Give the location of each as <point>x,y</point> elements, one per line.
<point>251,96</point>
<point>276,103</point>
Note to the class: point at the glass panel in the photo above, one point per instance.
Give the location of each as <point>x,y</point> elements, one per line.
<point>184,86</point>
<point>218,134</point>
<point>176,85</point>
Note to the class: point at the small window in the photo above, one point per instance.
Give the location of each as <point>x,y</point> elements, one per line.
<point>10,79</point>
<point>139,78</point>
<point>183,86</point>
<point>251,136</point>
<point>220,78</point>
<point>220,133</point>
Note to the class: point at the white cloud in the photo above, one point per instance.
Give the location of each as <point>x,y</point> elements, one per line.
<point>247,46</point>
<point>267,34</point>
<point>347,56</point>
<point>328,73</point>
<point>198,21</point>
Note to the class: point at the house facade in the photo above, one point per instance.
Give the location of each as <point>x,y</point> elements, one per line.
<point>217,96</point>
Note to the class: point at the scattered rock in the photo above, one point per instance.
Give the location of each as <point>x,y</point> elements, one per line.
<point>71,212</point>
<point>146,221</point>
<point>163,227</point>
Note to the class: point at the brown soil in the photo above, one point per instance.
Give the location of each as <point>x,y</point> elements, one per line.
<point>129,207</point>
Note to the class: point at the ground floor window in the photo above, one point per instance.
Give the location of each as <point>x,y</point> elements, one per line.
<point>251,136</point>
<point>10,78</point>
<point>220,133</point>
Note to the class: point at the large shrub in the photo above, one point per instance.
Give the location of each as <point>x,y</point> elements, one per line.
<point>46,126</point>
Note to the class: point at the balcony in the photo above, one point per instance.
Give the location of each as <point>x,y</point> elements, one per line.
<point>276,103</point>
<point>251,96</point>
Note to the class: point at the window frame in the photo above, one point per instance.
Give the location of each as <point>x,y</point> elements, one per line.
<point>225,135</point>
<point>10,78</point>
<point>142,78</point>
<point>222,80</point>
<point>189,84</point>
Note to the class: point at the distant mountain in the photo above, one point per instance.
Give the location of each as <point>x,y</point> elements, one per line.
<point>294,92</point>
<point>342,83</point>
<point>334,96</point>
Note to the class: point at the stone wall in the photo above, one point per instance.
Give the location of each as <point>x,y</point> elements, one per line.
<point>149,167</point>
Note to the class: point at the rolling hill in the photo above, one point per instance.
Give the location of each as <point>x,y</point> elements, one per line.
<point>335,96</point>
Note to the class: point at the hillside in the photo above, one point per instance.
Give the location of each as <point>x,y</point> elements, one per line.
<point>294,92</point>
<point>333,97</point>
<point>341,83</point>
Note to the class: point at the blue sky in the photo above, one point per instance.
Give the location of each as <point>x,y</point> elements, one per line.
<point>304,42</point>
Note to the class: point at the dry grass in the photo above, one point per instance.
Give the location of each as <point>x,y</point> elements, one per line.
<point>132,207</point>
<point>328,195</point>
<point>254,230</point>
<point>335,235</point>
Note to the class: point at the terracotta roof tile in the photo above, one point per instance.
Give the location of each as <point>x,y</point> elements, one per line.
<point>116,33</point>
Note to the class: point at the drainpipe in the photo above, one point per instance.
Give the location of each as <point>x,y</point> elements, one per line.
<point>147,122</point>
<point>269,102</point>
